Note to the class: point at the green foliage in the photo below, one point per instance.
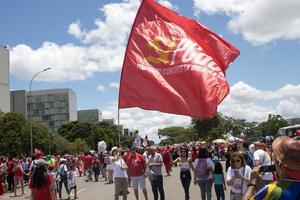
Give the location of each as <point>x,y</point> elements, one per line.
<point>176,135</point>
<point>271,126</point>
<point>79,145</point>
<point>93,133</point>
<point>208,129</point>
<point>15,135</point>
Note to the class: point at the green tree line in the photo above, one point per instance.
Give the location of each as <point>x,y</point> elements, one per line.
<point>218,126</point>
<point>71,137</point>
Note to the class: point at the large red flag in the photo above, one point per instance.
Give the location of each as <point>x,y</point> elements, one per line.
<point>174,64</point>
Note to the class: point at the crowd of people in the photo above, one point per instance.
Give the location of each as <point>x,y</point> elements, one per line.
<point>255,171</point>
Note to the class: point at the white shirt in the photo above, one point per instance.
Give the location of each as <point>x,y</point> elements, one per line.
<point>264,159</point>
<point>237,183</point>
<point>145,155</point>
<point>72,179</point>
<point>116,167</point>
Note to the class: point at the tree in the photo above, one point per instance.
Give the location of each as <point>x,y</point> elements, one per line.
<point>271,126</point>
<point>92,133</point>
<point>175,135</point>
<point>15,135</point>
<point>203,127</point>
<point>79,145</point>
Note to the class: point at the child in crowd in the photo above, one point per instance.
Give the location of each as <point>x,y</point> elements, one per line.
<point>219,181</point>
<point>72,181</point>
<point>54,175</point>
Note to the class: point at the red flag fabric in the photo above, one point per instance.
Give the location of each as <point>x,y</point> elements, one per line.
<point>174,64</point>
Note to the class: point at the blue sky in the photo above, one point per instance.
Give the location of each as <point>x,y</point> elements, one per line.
<point>84,44</point>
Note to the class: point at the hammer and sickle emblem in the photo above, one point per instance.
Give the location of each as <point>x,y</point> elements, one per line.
<point>162,49</point>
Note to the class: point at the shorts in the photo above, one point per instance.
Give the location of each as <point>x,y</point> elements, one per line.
<point>137,181</point>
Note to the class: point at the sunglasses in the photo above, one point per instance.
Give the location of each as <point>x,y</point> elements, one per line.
<point>236,160</point>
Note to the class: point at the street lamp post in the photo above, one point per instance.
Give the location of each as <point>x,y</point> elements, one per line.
<point>31,143</point>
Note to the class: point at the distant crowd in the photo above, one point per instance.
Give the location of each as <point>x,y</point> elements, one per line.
<point>249,171</point>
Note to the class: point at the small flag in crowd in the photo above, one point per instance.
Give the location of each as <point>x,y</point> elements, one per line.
<point>145,142</point>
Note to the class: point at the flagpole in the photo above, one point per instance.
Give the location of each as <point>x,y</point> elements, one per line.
<point>119,130</point>
<point>120,87</point>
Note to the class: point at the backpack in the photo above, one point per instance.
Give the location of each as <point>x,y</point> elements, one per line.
<point>201,170</point>
<point>63,173</point>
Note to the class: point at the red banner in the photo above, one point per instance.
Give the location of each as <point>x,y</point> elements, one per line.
<point>173,64</point>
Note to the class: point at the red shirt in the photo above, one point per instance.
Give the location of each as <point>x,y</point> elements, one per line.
<point>44,192</point>
<point>9,166</point>
<point>222,147</point>
<point>88,160</point>
<point>136,165</point>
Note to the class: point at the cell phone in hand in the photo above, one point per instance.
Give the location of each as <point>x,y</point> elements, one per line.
<point>267,168</point>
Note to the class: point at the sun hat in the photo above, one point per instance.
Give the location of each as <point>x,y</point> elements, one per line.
<point>62,160</point>
<point>113,149</point>
<point>286,151</point>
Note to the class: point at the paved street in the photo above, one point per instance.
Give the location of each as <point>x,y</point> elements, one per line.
<point>100,190</point>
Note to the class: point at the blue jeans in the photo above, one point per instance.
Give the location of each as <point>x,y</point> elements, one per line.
<point>219,189</point>
<point>205,188</point>
<point>158,186</point>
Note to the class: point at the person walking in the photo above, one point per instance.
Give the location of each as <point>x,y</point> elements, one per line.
<point>203,173</point>
<point>238,176</point>
<point>18,176</point>
<point>63,177</point>
<point>155,163</point>
<point>186,165</point>
<point>261,157</point>
<point>72,181</point>
<point>137,167</point>
<point>166,152</point>
<point>88,161</point>
<point>119,168</point>
<point>41,183</point>
<point>96,167</point>
<point>219,181</point>
<point>10,174</point>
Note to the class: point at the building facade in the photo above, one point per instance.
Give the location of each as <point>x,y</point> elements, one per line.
<point>18,102</point>
<point>4,79</point>
<point>90,115</point>
<point>52,108</point>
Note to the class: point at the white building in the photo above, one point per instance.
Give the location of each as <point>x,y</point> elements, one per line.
<point>4,80</point>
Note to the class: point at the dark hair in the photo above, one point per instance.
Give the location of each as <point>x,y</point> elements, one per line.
<point>218,168</point>
<point>39,177</point>
<point>203,153</point>
<point>237,154</point>
<point>186,151</point>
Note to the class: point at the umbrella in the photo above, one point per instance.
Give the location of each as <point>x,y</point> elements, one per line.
<point>219,141</point>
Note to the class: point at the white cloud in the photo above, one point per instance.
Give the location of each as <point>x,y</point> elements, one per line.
<point>74,29</point>
<point>244,102</point>
<point>114,85</point>
<point>101,88</point>
<point>259,21</point>
<point>247,102</point>
<point>168,4</point>
<point>147,122</point>
<point>101,48</point>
